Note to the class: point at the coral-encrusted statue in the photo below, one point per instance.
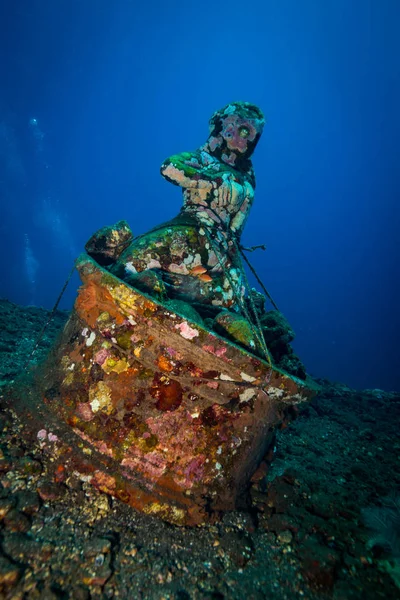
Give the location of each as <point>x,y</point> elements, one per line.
<point>193,257</point>
<point>173,417</point>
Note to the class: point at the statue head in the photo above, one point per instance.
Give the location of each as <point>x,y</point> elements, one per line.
<point>234,133</point>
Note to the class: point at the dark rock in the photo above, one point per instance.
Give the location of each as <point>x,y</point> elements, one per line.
<point>96,576</point>
<point>239,546</point>
<point>28,502</point>
<point>6,504</point>
<point>49,594</point>
<point>97,546</point>
<point>50,491</point>
<point>16,521</point>
<point>319,564</point>
<point>24,548</point>
<point>9,574</point>
<point>279,523</point>
<point>5,465</point>
<point>29,466</point>
<point>80,593</point>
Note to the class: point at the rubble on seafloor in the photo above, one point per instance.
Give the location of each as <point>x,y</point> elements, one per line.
<point>304,534</point>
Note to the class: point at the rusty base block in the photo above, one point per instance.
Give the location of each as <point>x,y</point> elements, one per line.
<point>177,417</point>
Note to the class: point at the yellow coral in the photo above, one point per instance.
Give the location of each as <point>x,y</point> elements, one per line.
<point>165,511</point>
<point>113,364</point>
<point>100,398</point>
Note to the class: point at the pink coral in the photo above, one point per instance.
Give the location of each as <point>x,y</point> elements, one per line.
<point>102,356</point>
<point>217,351</point>
<point>84,411</point>
<point>42,435</point>
<point>186,331</point>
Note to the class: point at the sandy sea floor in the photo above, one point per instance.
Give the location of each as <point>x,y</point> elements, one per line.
<point>304,535</point>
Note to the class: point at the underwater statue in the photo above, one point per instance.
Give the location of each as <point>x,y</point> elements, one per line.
<point>193,263</point>
<point>195,254</point>
<point>195,257</point>
<point>159,370</point>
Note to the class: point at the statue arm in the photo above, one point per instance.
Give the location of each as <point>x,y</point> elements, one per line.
<point>189,171</point>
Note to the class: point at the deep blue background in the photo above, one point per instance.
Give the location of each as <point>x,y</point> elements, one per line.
<point>117,86</point>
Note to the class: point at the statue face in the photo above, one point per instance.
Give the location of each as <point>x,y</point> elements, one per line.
<point>235,131</point>
<point>238,132</point>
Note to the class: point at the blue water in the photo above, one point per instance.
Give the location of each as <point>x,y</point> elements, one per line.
<point>95,94</point>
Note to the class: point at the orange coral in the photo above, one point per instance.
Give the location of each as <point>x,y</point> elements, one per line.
<point>94,299</point>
